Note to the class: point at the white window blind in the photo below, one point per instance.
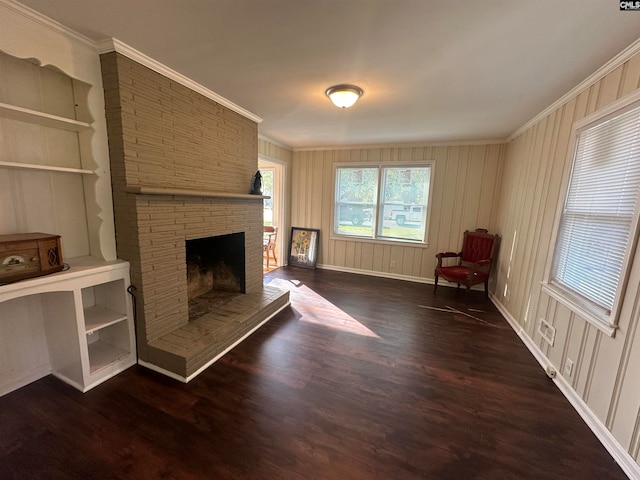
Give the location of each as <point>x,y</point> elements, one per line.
<point>597,224</point>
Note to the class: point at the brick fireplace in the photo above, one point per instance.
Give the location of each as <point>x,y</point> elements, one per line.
<point>181,169</point>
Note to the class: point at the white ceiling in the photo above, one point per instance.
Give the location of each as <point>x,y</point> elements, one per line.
<point>431,70</point>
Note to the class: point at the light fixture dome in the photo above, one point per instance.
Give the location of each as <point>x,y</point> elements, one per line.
<point>343,96</point>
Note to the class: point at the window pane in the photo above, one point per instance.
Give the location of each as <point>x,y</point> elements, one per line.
<point>356,193</point>
<point>405,193</point>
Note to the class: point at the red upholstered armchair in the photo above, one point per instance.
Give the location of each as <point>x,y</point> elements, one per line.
<point>474,264</point>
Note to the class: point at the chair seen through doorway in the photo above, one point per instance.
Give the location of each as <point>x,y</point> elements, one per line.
<point>269,243</point>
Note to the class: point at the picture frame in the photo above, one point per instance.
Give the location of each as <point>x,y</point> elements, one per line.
<point>303,247</point>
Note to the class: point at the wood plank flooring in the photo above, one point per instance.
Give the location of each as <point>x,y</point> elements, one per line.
<point>357,380</point>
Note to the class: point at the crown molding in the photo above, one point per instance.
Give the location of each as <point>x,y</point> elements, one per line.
<point>115,45</point>
<point>457,143</point>
<point>48,23</point>
<point>599,74</point>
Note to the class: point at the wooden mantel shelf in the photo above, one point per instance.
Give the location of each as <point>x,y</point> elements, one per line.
<point>191,193</point>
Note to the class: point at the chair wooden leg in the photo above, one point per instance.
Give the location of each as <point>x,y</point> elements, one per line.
<point>267,252</point>
<point>274,256</point>
<point>435,287</point>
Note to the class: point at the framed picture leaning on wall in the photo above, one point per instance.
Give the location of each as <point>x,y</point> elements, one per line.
<point>303,247</point>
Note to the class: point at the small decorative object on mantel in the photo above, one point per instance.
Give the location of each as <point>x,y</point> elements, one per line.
<point>256,184</point>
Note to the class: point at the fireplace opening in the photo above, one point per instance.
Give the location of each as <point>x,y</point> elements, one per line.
<point>215,271</point>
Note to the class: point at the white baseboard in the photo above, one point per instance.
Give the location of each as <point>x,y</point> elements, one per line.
<point>617,451</point>
<point>372,273</point>
<point>394,276</point>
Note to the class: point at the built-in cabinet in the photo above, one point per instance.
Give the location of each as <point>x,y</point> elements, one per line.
<point>55,178</point>
<point>86,320</point>
<point>106,325</point>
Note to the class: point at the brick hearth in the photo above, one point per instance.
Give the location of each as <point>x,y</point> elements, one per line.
<point>187,349</point>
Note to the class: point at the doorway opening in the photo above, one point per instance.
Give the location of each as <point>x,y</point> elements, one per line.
<point>273,212</point>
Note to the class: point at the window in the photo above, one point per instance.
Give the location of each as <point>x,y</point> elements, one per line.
<point>383,202</point>
<point>598,221</point>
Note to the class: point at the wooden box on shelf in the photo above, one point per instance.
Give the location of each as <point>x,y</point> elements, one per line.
<point>27,255</point>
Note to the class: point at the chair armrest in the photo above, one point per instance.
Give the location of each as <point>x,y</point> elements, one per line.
<point>442,255</point>
<point>479,266</point>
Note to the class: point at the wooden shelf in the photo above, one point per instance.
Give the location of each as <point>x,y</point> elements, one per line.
<point>103,354</point>
<point>46,168</point>
<point>96,318</point>
<point>45,119</point>
<point>192,193</point>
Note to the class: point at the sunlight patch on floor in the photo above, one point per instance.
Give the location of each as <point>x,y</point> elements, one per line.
<point>316,309</point>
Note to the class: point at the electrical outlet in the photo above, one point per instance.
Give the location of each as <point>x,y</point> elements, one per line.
<point>568,367</point>
<point>393,264</point>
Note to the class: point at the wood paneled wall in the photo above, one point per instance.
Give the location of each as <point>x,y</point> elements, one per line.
<point>605,373</point>
<point>273,151</point>
<point>466,182</point>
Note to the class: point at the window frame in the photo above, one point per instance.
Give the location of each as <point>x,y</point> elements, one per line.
<point>377,214</point>
<point>597,316</point>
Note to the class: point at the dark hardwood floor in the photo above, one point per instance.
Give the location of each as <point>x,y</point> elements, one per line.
<point>357,380</point>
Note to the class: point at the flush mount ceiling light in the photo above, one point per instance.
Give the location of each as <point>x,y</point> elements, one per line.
<point>343,96</point>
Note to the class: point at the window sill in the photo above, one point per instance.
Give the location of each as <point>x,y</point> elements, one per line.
<point>381,241</point>
<point>580,308</point>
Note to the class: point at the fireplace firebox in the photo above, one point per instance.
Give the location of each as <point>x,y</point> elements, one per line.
<point>215,271</point>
